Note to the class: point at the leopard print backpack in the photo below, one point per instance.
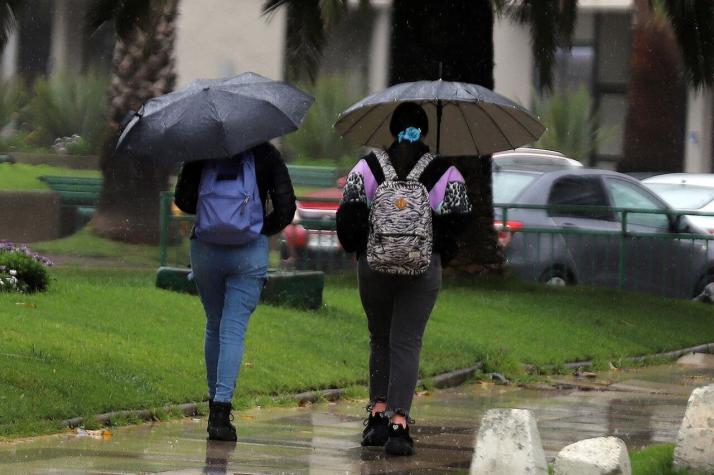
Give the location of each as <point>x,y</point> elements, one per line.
<point>401,234</point>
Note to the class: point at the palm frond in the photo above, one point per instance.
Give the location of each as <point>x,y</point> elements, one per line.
<point>331,12</point>
<point>270,7</point>
<point>551,22</point>
<point>8,19</point>
<point>126,15</point>
<point>693,23</point>
<point>307,24</point>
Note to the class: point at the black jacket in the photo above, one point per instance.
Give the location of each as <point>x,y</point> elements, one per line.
<point>273,182</point>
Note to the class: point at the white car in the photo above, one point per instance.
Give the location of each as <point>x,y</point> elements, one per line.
<point>533,159</point>
<point>689,192</point>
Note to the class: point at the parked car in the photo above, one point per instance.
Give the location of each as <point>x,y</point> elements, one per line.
<point>573,246</point>
<point>689,192</point>
<point>310,242</point>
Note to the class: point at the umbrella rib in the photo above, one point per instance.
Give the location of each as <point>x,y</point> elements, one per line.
<point>515,119</point>
<point>369,110</point>
<point>473,139</point>
<point>222,125</point>
<point>377,128</point>
<point>498,126</point>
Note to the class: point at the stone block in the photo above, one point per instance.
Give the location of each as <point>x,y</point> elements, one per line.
<point>598,456</point>
<point>508,443</point>
<point>695,441</point>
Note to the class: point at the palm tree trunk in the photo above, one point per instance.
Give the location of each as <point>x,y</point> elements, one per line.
<point>655,121</point>
<point>460,37</point>
<point>143,68</point>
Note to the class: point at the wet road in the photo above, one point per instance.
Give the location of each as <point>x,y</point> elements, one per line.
<point>640,406</point>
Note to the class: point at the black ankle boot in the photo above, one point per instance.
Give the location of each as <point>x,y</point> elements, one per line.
<point>375,431</point>
<point>399,442</point>
<point>219,422</point>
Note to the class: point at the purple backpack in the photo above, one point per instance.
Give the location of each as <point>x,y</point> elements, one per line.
<point>229,208</point>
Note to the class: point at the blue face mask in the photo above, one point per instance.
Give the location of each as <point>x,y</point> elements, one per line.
<point>410,134</point>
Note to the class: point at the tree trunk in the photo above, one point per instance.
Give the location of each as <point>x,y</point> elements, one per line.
<point>460,37</point>
<point>655,122</point>
<point>143,68</point>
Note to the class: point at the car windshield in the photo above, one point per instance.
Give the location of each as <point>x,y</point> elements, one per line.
<point>508,185</point>
<point>681,196</point>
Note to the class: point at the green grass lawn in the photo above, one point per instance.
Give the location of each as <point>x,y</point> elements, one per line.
<point>21,176</point>
<point>102,340</point>
<point>655,460</point>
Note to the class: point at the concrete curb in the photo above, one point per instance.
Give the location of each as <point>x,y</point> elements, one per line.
<point>704,348</point>
<point>440,381</point>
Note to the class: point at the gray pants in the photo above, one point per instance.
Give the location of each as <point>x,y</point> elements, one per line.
<point>397,310</point>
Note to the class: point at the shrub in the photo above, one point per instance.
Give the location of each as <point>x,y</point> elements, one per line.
<point>13,98</point>
<point>571,125</point>
<point>65,105</point>
<point>316,140</point>
<point>22,270</point>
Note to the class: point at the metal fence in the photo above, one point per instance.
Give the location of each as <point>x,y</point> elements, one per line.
<point>556,243</point>
<point>612,247</point>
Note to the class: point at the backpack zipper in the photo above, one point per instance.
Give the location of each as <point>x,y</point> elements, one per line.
<point>244,204</point>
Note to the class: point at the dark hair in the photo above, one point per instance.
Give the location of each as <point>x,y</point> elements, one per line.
<point>408,114</point>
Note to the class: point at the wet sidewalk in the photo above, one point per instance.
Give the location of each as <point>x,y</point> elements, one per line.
<point>641,406</point>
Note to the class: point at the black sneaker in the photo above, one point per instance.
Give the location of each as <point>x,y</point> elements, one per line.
<point>375,431</point>
<point>399,442</point>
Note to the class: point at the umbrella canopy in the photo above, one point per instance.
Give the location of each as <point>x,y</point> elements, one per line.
<point>469,119</point>
<point>213,119</point>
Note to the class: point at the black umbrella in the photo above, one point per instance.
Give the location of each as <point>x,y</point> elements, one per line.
<point>213,119</point>
<point>470,119</point>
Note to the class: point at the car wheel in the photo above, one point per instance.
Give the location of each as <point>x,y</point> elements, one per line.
<point>703,282</point>
<point>556,278</point>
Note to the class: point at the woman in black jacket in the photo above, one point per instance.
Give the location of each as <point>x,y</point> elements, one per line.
<point>398,306</point>
<point>230,261</point>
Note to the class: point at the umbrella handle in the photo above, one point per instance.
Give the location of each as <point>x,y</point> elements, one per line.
<point>439,109</point>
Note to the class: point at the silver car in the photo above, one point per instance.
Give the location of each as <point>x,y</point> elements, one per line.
<point>659,253</point>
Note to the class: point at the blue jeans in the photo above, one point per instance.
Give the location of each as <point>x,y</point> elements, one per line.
<point>229,281</point>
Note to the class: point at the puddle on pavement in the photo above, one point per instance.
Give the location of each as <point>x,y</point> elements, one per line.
<point>325,438</point>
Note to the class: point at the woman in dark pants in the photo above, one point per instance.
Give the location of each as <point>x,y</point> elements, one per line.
<point>230,275</point>
<point>398,306</point>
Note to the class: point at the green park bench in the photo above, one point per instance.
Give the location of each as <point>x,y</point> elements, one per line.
<point>313,176</point>
<point>78,197</point>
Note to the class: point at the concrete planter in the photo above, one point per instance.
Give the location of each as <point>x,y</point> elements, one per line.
<point>301,289</point>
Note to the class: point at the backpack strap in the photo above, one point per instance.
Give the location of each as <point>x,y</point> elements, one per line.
<point>390,174</point>
<point>420,166</point>
<point>433,172</point>
<point>375,168</point>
